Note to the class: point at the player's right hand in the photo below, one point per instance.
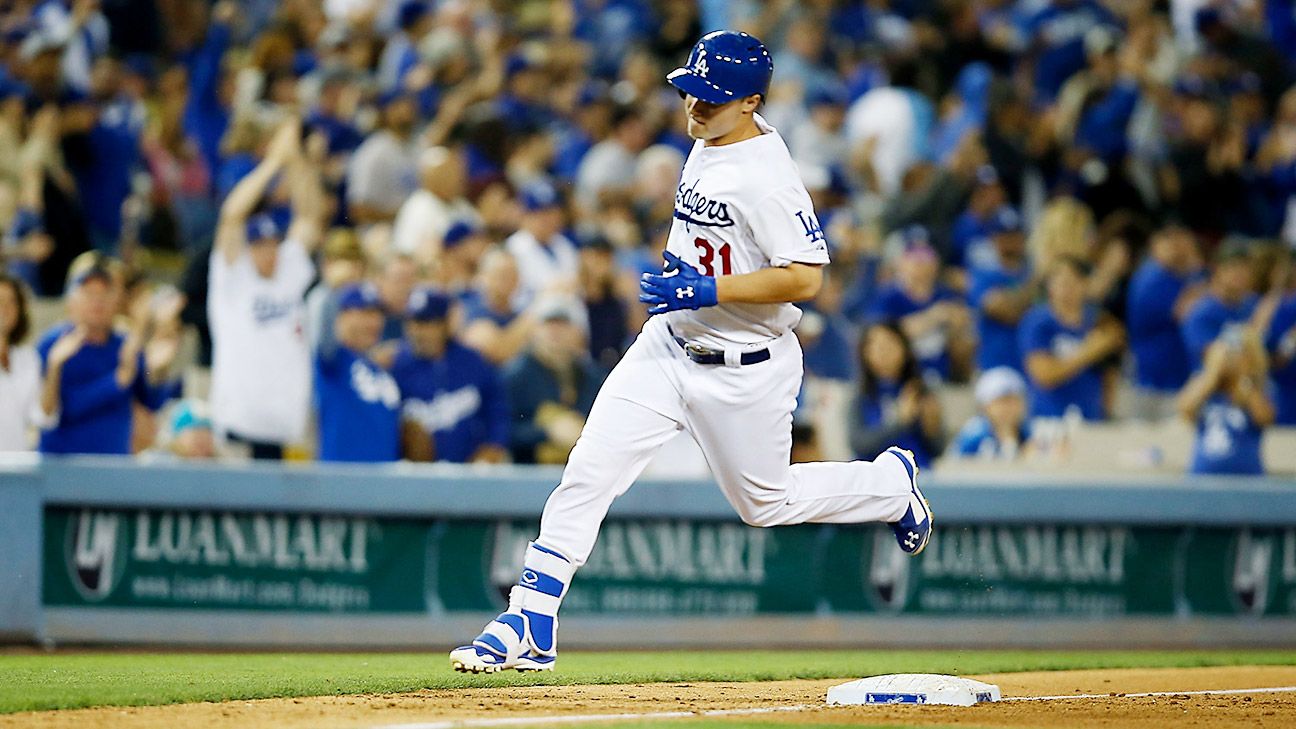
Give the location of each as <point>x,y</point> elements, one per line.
<point>681,287</point>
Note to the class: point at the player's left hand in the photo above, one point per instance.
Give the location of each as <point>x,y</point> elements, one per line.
<point>679,287</point>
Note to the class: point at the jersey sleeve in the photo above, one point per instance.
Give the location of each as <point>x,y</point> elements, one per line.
<point>785,228</point>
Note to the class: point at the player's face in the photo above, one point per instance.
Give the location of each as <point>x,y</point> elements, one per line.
<point>717,122</point>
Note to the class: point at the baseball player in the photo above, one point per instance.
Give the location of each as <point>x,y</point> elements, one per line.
<point>718,359</point>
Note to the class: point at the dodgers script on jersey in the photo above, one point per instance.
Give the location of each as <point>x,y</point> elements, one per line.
<point>740,208</point>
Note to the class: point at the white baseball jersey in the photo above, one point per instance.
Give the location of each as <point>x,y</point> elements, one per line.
<point>740,208</point>
<point>261,360</point>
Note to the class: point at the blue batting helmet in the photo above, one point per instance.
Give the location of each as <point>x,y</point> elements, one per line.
<point>725,66</point>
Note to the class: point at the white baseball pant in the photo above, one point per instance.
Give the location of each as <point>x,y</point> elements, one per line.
<point>740,416</point>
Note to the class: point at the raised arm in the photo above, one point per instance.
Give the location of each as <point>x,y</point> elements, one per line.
<point>1202,385</point>
<point>310,208</point>
<point>231,235</point>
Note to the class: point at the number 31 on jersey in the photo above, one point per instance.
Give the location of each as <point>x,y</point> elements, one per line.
<point>707,255</point>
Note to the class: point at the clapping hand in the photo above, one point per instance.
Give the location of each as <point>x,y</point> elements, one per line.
<point>687,288</point>
<point>65,347</point>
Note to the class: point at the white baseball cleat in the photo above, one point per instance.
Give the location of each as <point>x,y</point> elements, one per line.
<point>503,645</point>
<point>913,531</point>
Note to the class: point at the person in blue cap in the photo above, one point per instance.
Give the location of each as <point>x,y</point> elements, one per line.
<point>259,274</point>
<point>359,403</point>
<point>455,407</point>
<point>93,373</point>
<point>1001,291</point>
<point>548,261</point>
<point>462,248</point>
<point>970,243</point>
<point>414,19</point>
<point>933,317</point>
<point>1161,293</point>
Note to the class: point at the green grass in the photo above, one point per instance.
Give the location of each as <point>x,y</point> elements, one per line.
<point>73,680</point>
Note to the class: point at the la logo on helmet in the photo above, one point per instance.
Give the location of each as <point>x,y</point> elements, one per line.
<point>700,65</point>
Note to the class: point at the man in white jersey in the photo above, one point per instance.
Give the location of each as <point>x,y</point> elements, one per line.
<point>717,360</point>
<point>261,357</point>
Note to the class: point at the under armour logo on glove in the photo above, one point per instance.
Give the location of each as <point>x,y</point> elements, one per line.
<point>679,287</point>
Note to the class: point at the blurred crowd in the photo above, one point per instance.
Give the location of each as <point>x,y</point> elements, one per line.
<point>413,229</point>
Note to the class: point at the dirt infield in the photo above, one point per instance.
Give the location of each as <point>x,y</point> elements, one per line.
<point>1114,710</point>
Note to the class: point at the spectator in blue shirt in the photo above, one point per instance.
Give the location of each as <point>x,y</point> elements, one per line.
<point>1057,31</point>
<point>605,305</point>
<point>1226,307</point>
<point>1000,430</point>
<point>1160,295</point>
<point>970,236</point>
<point>462,248</point>
<point>455,406</point>
<point>490,323</point>
<point>211,88</point>
<point>931,316</point>
<point>1228,402</point>
<point>1001,292</point>
<point>359,402</point>
<point>1281,343</point>
<point>1062,342</point>
<point>551,388</point>
<point>894,406</point>
<point>414,19</point>
<point>93,373</point>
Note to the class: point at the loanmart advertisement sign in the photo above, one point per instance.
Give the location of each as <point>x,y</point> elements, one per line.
<point>203,559</point>
<point>305,562</point>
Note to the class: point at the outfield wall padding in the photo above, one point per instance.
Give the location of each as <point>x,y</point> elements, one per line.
<point>115,551</point>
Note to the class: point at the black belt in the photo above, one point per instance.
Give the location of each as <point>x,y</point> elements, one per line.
<point>706,356</point>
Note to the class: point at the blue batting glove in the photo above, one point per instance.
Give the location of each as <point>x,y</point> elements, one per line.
<point>686,289</point>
